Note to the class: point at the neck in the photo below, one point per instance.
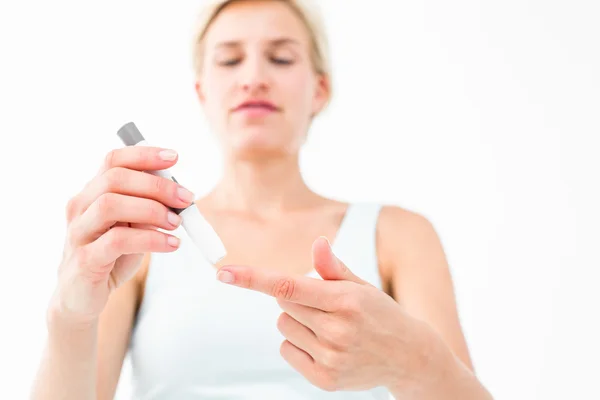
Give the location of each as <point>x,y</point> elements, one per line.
<point>265,186</point>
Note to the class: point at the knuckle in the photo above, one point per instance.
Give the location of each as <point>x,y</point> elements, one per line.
<point>329,378</point>
<point>142,154</point>
<point>72,207</point>
<point>330,360</point>
<point>158,185</point>
<point>72,234</point>
<point>114,178</point>
<point>115,240</point>
<point>281,322</point>
<point>110,159</point>
<point>105,204</point>
<point>350,302</point>
<point>156,214</point>
<point>284,288</point>
<point>339,335</point>
<point>82,256</point>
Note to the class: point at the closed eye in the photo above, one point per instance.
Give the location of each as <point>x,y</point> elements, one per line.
<point>229,63</point>
<point>282,61</point>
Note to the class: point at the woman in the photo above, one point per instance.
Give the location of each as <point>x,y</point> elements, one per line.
<point>286,318</point>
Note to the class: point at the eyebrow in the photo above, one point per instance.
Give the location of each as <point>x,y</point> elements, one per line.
<point>272,42</point>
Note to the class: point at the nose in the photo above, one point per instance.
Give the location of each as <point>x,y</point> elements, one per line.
<point>254,75</point>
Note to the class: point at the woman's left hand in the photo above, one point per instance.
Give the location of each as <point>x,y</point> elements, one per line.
<point>341,332</point>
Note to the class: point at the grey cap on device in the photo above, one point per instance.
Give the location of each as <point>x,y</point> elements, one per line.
<point>130,134</point>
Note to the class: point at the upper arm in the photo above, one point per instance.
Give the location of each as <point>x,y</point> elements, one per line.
<point>114,330</point>
<point>420,276</point>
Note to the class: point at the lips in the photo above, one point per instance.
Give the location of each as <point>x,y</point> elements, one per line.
<point>257,105</point>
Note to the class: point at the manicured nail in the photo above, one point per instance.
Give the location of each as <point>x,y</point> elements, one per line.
<point>185,195</point>
<point>173,241</point>
<point>225,276</point>
<point>173,219</point>
<point>168,155</point>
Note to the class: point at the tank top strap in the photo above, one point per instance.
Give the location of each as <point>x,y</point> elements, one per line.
<point>355,243</point>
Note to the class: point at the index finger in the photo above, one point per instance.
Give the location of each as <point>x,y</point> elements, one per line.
<point>303,290</point>
<point>140,158</point>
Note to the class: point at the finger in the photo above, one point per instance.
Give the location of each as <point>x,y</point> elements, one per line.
<point>298,334</point>
<point>134,225</point>
<point>137,226</point>
<point>297,289</point>
<point>123,240</point>
<point>328,265</point>
<point>140,158</point>
<point>310,317</point>
<point>144,226</point>
<point>298,359</point>
<point>111,208</point>
<point>133,183</point>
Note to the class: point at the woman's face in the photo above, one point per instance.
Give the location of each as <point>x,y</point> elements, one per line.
<point>258,86</point>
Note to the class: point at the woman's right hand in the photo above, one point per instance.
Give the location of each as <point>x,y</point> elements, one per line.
<point>111,223</point>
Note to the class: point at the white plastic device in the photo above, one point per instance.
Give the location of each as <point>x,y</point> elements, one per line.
<point>194,223</point>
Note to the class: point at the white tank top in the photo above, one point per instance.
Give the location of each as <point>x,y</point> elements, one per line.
<point>197,338</point>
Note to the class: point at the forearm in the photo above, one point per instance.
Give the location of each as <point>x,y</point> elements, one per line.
<point>436,372</point>
<point>454,381</point>
<point>68,367</point>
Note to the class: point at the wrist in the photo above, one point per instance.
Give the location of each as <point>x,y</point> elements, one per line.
<point>69,365</point>
<point>428,363</point>
<point>61,317</point>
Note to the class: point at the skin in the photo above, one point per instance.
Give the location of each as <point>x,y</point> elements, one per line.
<point>406,336</point>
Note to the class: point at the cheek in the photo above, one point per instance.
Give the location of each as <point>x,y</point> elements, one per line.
<point>216,92</point>
<point>299,96</point>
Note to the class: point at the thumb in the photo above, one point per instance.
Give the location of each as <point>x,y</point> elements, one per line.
<point>328,265</point>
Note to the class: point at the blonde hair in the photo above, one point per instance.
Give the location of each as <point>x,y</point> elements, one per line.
<point>308,13</point>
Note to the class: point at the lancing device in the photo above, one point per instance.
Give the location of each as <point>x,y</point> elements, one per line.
<point>196,226</point>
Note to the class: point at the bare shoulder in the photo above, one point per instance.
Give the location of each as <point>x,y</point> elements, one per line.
<point>414,266</point>
<point>401,234</point>
<point>409,250</point>
<point>397,220</point>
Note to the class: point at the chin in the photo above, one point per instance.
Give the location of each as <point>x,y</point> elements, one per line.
<point>259,144</point>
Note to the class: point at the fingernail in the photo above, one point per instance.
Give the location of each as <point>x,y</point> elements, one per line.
<point>168,155</point>
<point>173,241</point>
<point>185,195</point>
<point>173,219</point>
<point>225,276</point>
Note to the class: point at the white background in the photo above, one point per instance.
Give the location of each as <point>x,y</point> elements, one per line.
<point>482,115</point>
